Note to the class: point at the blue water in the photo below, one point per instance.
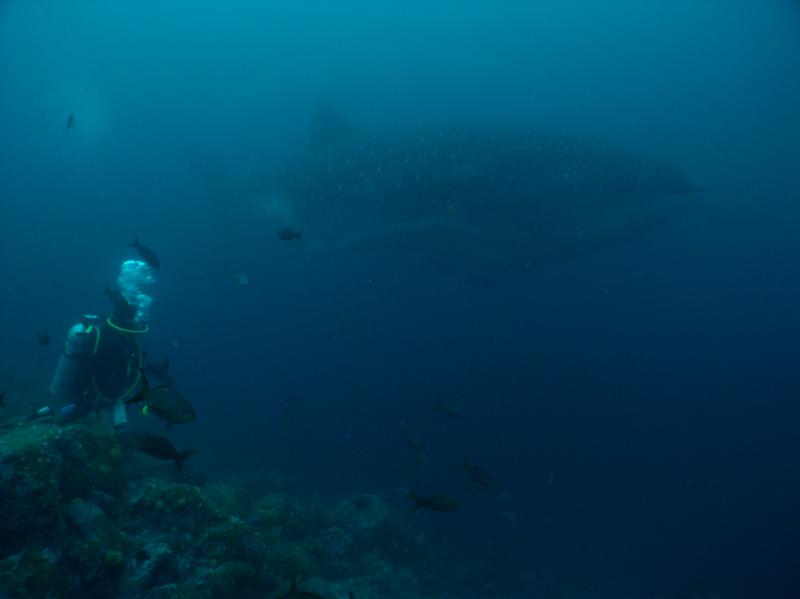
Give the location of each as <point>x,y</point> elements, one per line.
<point>638,404</point>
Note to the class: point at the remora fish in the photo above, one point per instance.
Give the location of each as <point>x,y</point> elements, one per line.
<point>505,199</point>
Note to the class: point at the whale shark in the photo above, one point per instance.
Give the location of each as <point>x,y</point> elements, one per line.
<point>470,196</point>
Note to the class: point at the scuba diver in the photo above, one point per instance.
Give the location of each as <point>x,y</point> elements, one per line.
<point>102,362</point>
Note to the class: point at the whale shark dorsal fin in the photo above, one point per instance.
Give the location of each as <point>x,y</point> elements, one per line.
<point>329,126</point>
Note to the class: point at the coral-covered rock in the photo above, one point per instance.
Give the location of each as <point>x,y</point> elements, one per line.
<point>71,524</point>
<point>30,501</point>
<point>44,465</point>
<point>45,469</point>
<point>36,573</point>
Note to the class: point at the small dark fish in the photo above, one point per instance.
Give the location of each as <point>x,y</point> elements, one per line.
<point>146,253</point>
<point>43,338</point>
<point>70,121</point>
<point>3,398</point>
<point>294,593</point>
<point>350,595</point>
<point>160,448</point>
<point>480,476</point>
<point>447,408</point>
<point>287,234</point>
<point>123,311</point>
<point>165,402</point>
<point>434,503</point>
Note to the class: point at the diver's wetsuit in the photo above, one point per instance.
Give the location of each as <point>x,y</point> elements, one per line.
<point>114,373</point>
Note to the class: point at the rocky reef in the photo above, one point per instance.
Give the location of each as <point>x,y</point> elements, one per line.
<point>81,516</point>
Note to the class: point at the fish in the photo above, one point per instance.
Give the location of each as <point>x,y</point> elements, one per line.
<point>238,277</point>
<point>43,339</point>
<point>147,254</point>
<point>294,593</point>
<point>447,408</point>
<point>435,503</point>
<point>287,234</point>
<point>480,199</point>
<point>3,398</point>
<point>161,448</point>
<point>165,402</point>
<point>70,122</point>
<point>124,312</point>
<point>480,476</point>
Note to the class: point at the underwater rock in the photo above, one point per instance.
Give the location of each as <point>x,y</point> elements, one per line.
<point>155,503</point>
<point>182,538</point>
<point>87,519</point>
<point>288,518</point>
<point>331,549</point>
<point>238,495</point>
<point>29,497</point>
<point>270,512</point>
<point>41,465</point>
<point>375,527</point>
<point>72,524</point>
<point>361,512</point>
<point>151,565</point>
<point>36,573</point>
<point>91,461</point>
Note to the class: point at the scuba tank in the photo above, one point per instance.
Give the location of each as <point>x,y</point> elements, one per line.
<point>74,365</point>
<point>102,360</point>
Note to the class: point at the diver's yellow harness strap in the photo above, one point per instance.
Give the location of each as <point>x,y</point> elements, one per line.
<point>110,323</point>
<point>139,360</point>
